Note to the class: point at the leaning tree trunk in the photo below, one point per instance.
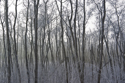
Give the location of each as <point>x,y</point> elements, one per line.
<point>15,43</point>
<point>102,36</point>
<point>63,47</point>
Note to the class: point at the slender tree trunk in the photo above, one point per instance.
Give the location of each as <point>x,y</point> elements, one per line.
<point>26,56</point>
<point>124,56</point>
<point>31,52</point>
<point>75,38</point>
<point>62,38</point>
<point>15,43</point>
<point>83,44</point>
<point>36,3</point>
<point>102,36</point>
<point>110,60</point>
<point>43,39</point>
<point>4,46</point>
<point>8,42</point>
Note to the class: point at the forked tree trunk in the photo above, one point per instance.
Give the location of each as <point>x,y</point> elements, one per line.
<point>102,36</point>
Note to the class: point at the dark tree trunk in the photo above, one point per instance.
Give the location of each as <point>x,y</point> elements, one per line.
<point>102,37</point>
<point>26,56</point>
<point>62,38</point>
<point>15,43</point>
<point>83,44</point>
<point>8,42</point>
<point>4,46</point>
<point>36,3</point>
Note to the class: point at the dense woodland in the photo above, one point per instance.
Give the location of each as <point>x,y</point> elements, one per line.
<point>62,41</point>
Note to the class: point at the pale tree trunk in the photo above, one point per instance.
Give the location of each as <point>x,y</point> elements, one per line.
<point>31,44</point>
<point>109,56</point>
<point>62,38</point>
<point>124,56</point>
<point>56,42</point>
<point>121,43</point>
<point>43,37</point>
<point>50,47</point>
<point>70,27</point>
<point>75,38</point>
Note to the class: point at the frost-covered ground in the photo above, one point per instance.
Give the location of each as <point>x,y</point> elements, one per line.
<point>56,74</point>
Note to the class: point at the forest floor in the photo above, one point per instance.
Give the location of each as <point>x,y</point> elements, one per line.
<point>55,73</point>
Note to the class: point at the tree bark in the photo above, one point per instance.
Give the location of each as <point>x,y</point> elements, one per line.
<point>15,43</point>
<point>8,41</point>
<point>83,43</point>
<point>62,38</point>
<point>26,56</point>
<point>36,3</point>
<point>102,37</point>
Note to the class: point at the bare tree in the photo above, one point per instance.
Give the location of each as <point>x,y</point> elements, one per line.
<point>15,44</point>
<point>36,4</point>
<point>103,15</point>
<point>4,44</point>
<point>26,56</point>
<point>8,42</point>
<point>83,43</point>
